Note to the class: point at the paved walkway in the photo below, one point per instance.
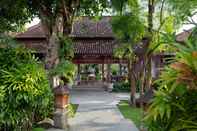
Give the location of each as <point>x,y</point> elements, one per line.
<point>97,111</point>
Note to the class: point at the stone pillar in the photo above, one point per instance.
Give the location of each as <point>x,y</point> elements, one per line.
<point>61,103</point>
<point>109,73</point>
<point>78,72</point>
<point>103,72</point>
<point>120,69</point>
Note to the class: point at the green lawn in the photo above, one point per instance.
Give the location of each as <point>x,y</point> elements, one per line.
<point>132,113</point>
<point>38,129</point>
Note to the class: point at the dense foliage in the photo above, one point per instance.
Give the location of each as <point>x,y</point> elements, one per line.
<point>174,106</point>
<point>13,16</point>
<point>25,95</point>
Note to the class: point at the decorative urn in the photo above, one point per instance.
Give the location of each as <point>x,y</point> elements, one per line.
<point>61,96</point>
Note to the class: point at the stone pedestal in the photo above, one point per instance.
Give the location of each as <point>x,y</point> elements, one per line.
<point>60,119</point>
<point>61,103</point>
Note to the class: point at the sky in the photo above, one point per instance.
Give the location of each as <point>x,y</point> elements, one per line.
<point>187,27</point>
<point>33,22</point>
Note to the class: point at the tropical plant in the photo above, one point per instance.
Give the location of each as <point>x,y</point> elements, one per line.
<point>174,105</point>
<point>66,70</point>
<point>25,94</point>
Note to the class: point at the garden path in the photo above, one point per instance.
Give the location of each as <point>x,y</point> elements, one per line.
<point>97,111</point>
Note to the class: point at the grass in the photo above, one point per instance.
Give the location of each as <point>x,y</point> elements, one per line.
<point>72,109</point>
<point>132,113</point>
<point>38,129</point>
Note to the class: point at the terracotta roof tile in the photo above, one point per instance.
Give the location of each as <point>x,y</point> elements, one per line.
<point>94,47</point>
<point>35,31</point>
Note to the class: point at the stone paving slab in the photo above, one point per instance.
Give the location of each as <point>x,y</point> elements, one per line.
<point>53,129</point>
<point>97,111</point>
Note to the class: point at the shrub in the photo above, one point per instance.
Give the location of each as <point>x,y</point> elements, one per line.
<point>98,76</point>
<point>121,87</point>
<point>114,69</point>
<point>174,107</point>
<point>124,86</point>
<point>25,95</point>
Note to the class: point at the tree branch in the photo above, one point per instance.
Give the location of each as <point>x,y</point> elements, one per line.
<point>161,11</point>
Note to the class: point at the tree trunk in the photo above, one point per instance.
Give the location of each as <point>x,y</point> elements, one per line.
<point>149,73</point>
<point>133,86</point>
<point>131,79</point>
<point>52,55</point>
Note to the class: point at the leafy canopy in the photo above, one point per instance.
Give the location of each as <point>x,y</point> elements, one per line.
<point>13,15</point>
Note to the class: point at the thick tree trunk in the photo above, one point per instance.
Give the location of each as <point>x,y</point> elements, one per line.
<point>52,56</point>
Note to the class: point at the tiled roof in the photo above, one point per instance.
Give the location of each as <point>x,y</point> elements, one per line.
<point>82,27</point>
<point>88,28</point>
<point>94,47</point>
<point>35,31</point>
<point>85,27</point>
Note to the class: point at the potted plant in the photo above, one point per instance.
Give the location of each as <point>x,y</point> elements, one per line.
<point>65,70</point>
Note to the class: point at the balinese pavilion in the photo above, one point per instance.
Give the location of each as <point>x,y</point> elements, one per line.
<point>94,43</point>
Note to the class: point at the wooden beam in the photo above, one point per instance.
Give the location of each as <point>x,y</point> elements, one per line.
<point>97,61</point>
